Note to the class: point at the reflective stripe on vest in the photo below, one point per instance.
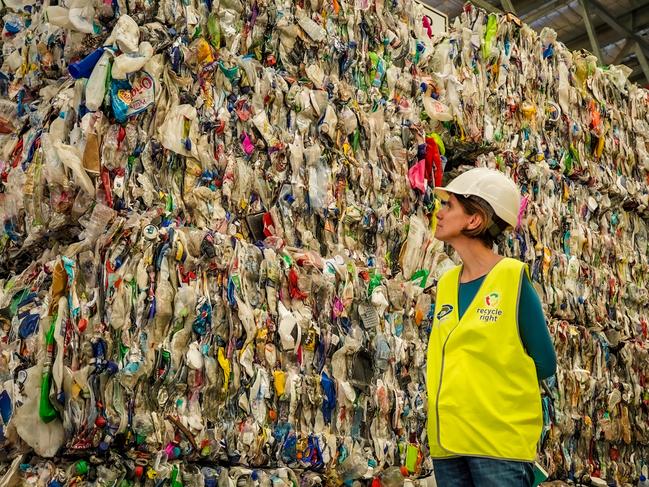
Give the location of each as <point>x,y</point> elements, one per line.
<point>483,392</point>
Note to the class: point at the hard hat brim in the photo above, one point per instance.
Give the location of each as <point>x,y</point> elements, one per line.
<point>444,193</point>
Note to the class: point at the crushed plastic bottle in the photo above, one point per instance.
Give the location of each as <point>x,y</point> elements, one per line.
<point>393,477</point>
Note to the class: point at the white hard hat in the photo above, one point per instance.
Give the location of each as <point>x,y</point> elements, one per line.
<point>491,185</point>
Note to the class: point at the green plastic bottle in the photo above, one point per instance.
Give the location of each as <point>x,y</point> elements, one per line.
<point>46,411</point>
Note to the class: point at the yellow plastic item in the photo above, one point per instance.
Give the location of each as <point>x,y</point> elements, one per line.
<point>204,52</point>
<point>225,365</point>
<point>279,381</point>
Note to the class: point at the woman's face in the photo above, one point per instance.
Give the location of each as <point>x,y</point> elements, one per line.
<point>452,220</point>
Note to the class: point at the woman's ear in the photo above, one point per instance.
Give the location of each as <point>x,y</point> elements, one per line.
<point>475,221</point>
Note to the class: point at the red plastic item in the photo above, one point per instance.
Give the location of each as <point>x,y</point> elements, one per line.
<point>434,169</point>
<point>292,286</point>
<point>105,179</point>
<point>269,225</point>
<point>83,324</point>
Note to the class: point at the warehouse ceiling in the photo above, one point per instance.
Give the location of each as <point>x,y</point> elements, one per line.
<point>619,28</point>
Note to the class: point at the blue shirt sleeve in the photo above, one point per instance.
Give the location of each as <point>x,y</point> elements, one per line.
<point>534,331</point>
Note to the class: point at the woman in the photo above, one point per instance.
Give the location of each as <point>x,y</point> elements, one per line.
<point>489,345</point>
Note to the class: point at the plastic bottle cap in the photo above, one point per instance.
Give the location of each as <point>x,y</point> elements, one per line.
<point>111,367</point>
<point>82,467</point>
<point>83,324</point>
<point>642,478</point>
<point>150,232</point>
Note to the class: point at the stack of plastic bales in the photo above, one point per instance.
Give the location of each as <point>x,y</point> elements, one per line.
<point>216,239</point>
<point>576,138</point>
<point>217,259</point>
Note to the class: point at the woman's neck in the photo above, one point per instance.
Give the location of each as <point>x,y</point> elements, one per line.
<point>477,259</point>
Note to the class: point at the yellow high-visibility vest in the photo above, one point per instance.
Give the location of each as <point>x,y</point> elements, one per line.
<point>483,391</point>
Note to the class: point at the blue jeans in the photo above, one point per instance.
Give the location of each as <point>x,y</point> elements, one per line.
<point>482,472</point>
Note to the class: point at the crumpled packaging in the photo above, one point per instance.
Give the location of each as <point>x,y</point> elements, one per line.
<point>220,262</point>
<point>206,249</point>
<point>573,135</point>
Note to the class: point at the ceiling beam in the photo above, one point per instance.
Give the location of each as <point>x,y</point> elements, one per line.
<point>594,45</point>
<point>529,7</point>
<point>508,6</point>
<point>606,35</point>
<point>642,59</point>
<point>623,52</point>
<point>547,8</point>
<point>487,6</point>
<point>618,27</point>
